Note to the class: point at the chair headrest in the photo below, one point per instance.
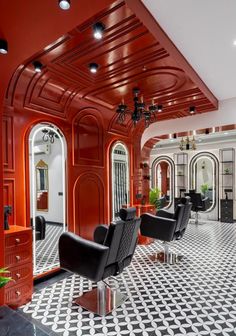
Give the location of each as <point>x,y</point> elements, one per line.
<point>127,214</point>
<point>185,200</point>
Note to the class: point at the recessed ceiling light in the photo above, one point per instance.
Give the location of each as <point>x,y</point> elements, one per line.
<point>64,4</point>
<point>3,47</point>
<point>93,67</point>
<point>98,29</point>
<point>192,110</point>
<point>234,43</point>
<point>225,133</point>
<point>159,108</point>
<point>37,66</point>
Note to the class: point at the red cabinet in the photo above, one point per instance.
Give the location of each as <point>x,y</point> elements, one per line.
<point>18,260</point>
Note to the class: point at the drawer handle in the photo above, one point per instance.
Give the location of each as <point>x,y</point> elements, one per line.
<point>18,258</point>
<point>17,240</point>
<point>18,275</point>
<point>18,293</point>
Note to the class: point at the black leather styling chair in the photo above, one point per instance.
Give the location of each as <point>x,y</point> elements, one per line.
<point>167,227</point>
<point>107,256</point>
<point>198,203</point>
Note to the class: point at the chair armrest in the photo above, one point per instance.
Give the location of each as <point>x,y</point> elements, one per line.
<point>157,227</point>
<point>82,256</point>
<point>100,233</point>
<point>164,214</point>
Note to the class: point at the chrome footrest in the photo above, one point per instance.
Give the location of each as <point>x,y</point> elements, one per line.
<point>101,301</point>
<point>166,258</point>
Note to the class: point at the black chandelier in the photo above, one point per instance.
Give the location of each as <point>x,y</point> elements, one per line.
<point>49,135</point>
<point>140,111</point>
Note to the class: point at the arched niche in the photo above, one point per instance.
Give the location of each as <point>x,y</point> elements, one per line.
<point>47,164</point>
<point>120,188</point>
<point>88,204</point>
<point>204,177</point>
<point>88,138</point>
<point>163,179</point>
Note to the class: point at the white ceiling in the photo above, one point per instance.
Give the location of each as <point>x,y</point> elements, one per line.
<point>203,31</point>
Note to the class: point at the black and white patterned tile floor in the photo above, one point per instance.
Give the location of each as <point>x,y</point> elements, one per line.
<point>194,297</point>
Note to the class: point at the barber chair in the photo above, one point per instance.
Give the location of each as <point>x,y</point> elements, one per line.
<point>198,203</point>
<point>40,227</point>
<point>111,252</point>
<point>166,226</point>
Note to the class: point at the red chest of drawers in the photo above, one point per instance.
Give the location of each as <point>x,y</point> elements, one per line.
<point>18,260</point>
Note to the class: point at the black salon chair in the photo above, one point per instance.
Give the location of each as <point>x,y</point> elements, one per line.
<point>166,226</point>
<point>40,227</point>
<point>198,203</point>
<point>107,256</point>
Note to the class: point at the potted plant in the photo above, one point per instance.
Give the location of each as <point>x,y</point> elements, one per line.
<point>204,188</point>
<point>3,279</point>
<point>154,197</point>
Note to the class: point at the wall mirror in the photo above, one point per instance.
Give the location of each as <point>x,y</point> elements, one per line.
<point>120,178</point>
<point>163,179</point>
<point>203,172</point>
<point>42,186</point>
<point>47,159</point>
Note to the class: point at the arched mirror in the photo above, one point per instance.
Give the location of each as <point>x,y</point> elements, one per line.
<point>163,179</point>
<point>47,159</point>
<point>203,175</point>
<point>120,178</point>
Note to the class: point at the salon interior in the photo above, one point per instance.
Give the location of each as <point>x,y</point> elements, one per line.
<point>118,168</point>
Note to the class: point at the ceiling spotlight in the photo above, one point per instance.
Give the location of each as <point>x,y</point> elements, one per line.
<point>93,67</point>
<point>159,108</point>
<point>98,29</point>
<point>3,47</point>
<point>37,66</point>
<point>234,43</point>
<point>192,109</point>
<point>64,4</point>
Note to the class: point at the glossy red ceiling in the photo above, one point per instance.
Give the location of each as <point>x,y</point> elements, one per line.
<point>128,56</point>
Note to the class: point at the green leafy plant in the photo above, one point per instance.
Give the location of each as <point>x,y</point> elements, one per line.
<point>204,188</point>
<point>154,197</point>
<point>3,279</point>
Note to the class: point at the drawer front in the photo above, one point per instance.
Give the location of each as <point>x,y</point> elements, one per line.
<point>18,256</point>
<point>18,295</point>
<point>18,239</point>
<point>20,274</point>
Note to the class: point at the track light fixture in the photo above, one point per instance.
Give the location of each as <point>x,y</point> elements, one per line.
<point>64,4</point>
<point>3,47</point>
<point>140,111</point>
<point>93,67</point>
<point>192,109</point>
<point>37,66</point>
<point>98,29</point>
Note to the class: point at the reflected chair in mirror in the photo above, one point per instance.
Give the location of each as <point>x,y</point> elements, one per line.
<point>198,204</point>
<point>111,252</point>
<point>40,227</point>
<point>166,226</point>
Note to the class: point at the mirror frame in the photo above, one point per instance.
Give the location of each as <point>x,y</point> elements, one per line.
<point>171,164</point>
<point>192,175</point>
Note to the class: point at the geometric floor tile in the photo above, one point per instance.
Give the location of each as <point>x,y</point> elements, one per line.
<point>195,297</point>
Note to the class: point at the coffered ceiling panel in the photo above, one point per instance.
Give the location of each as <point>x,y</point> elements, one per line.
<point>128,56</point>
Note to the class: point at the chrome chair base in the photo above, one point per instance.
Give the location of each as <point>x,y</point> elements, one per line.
<point>101,300</point>
<point>166,258</point>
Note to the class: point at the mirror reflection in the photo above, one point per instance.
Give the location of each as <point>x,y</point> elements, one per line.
<point>42,186</point>
<point>162,173</point>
